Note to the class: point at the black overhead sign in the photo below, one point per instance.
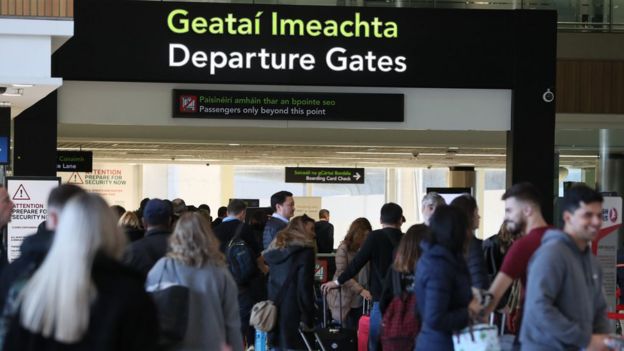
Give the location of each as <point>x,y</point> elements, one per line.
<point>74,161</point>
<point>325,175</point>
<point>185,42</point>
<point>288,106</point>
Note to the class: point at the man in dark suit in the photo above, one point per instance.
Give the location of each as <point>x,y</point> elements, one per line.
<point>324,233</point>
<point>283,206</point>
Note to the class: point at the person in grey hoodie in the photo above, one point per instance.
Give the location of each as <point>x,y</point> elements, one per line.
<point>565,308</point>
<point>194,261</point>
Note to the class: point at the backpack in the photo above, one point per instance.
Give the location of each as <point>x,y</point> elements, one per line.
<point>400,324</point>
<point>240,258</point>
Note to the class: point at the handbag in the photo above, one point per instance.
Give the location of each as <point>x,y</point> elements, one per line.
<point>172,305</point>
<point>478,337</point>
<point>264,313</point>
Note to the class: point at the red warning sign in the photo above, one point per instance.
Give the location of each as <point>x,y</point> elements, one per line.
<point>21,194</point>
<point>75,178</point>
<point>320,271</point>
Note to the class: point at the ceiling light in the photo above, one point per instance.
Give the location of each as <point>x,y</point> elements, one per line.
<point>578,156</point>
<point>481,155</point>
<point>373,153</point>
<point>5,104</point>
<point>22,85</point>
<point>431,154</point>
<point>234,144</point>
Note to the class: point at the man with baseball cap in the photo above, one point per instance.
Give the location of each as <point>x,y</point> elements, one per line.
<point>143,254</point>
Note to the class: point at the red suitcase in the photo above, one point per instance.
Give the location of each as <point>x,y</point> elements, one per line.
<point>364,327</point>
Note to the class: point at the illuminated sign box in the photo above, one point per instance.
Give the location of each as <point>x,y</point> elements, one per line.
<point>288,106</point>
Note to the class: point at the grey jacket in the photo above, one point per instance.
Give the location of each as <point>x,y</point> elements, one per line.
<point>564,303</point>
<point>213,311</point>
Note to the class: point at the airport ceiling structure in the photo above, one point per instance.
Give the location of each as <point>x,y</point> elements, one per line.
<point>308,147</point>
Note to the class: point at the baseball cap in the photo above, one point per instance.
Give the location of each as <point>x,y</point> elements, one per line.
<point>157,212</point>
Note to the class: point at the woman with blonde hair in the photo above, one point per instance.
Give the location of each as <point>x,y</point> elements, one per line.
<point>354,290</point>
<point>291,259</point>
<point>130,224</point>
<point>194,261</point>
<point>81,297</point>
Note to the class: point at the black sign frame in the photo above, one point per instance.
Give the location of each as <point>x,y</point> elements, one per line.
<point>324,175</point>
<point>74,161</point>
<point>444,48</point>
<point>138,48</point>
<point>288,106</point>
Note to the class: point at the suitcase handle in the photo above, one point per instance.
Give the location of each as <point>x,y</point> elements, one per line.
<point>307,343</point>
<point>366,307</point>
<point>325,308</point>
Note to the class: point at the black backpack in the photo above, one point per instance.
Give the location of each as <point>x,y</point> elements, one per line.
<point>240,258</point>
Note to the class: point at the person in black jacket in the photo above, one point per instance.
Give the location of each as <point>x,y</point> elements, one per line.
<point>251,291</point>
<point>221,213</point>
<point>378,249</point>
<point>283,206</point>
<point>293,247</point>
<point>35,247</point>
<point>474,254</point>
<point>143,254</point>
<point>405,259</point>
<point>324,233</point>
<point>402,272</point>
<point>81,297</point>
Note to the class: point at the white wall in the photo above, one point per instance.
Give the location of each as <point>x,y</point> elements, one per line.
<point>196,184</point>
<point>26,47</point>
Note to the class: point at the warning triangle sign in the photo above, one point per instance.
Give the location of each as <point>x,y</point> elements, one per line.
<point>21,194</point>
<point>75,178</point>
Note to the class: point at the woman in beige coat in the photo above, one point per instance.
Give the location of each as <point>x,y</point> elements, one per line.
<point>354,290</point>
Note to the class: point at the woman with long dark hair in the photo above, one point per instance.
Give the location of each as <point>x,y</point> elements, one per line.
<point>442,282</point>
<point>407,254</point>
<point>398,293</point>
<point>474,247</point>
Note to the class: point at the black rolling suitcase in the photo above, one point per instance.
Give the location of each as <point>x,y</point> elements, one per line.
<point>330,337</point>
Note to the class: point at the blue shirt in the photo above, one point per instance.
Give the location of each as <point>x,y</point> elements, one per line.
<point>229,219</point>
<point>280,217</point>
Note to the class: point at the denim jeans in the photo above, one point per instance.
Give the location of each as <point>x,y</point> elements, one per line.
<point>375,328</point>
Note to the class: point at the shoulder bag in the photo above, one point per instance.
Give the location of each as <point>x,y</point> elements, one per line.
<point>172,305</point>
<point>264,313</point>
